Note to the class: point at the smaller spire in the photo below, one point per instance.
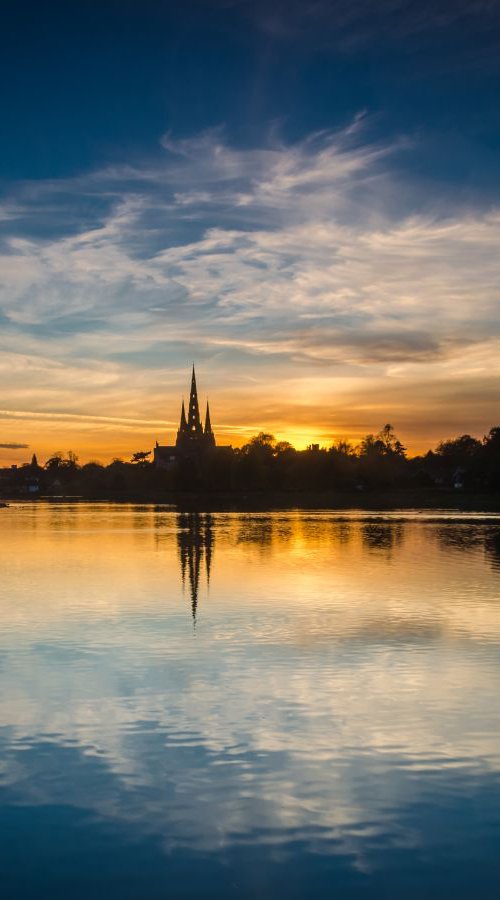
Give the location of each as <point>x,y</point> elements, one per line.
<point>208,433</point>
<point>183,427</point>
<point>208,426</point>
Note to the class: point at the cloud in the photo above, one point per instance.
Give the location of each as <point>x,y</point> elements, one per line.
<point>267,264</point>
<point>351,25</point>
<point>14,446</point>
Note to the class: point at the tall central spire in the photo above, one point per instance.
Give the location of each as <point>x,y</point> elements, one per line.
<point>193,421</point>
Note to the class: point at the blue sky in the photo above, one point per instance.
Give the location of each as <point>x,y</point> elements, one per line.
<point>304,198</point>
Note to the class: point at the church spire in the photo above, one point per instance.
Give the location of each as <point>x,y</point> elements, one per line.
<point>193,422</point>
<point>192,437</point>
<point>208,426</point>
<point>194,440</point>
<point>182,430</point>
<point>209,435</point>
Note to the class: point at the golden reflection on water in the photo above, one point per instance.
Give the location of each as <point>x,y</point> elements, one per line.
<point>365,575</point>
<point>335,660</point>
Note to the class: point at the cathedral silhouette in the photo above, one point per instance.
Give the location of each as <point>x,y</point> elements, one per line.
<point>194,441</point>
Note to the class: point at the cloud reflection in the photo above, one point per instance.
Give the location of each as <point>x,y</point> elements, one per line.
<point>333,686</point>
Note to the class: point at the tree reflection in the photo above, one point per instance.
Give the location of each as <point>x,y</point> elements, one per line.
<point>461,537</point>
<point>195,542</point>
<point>264,532</point>
<point>466,539</point>
<point>382,535</point>
<point>492,548</point>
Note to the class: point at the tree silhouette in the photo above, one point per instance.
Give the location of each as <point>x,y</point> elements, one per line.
<point>141,457</point>
<point>266,465</point>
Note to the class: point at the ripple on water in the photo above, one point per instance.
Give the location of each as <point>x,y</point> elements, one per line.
<point>256,705</point>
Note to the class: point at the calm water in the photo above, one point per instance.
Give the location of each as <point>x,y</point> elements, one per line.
<point>248,705</point>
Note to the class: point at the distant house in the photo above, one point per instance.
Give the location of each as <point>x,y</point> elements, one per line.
<point>19,481</point>
<point>7,477</point>
<point>194,441</point>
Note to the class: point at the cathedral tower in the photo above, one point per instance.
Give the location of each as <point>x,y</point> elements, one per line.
<point>190,437</point>
<point>194,439</point>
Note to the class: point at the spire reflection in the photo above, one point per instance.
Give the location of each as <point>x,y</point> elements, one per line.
<point>195,541</point>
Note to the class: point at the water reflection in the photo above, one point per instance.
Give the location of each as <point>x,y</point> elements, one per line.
<point>264,532</point>
<point>492,547</point>
<point>331,726</point>
<point>196,542</point>
<point>384,536</point>
<point>460,537</point>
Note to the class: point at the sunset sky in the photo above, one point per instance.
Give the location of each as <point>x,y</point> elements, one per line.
<point>303,198</point>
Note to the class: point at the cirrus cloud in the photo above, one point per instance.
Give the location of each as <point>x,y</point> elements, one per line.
<point>275,263</point>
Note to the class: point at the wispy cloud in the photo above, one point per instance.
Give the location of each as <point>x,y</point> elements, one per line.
<point>273,262</point>
<point>14,446</point>
<point>350,24</point>
<point>403,16</point>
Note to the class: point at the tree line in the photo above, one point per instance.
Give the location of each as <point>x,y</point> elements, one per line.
<point>264,464</point>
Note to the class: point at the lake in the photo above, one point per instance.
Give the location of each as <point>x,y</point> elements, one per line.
<point>248,705</point>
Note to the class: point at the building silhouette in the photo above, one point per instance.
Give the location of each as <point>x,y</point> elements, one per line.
<point>194,441</point>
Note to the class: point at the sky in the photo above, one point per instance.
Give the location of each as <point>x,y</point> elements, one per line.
<point>303,198</point>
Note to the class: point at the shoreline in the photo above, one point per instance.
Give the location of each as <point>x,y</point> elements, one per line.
<point>390,500</point>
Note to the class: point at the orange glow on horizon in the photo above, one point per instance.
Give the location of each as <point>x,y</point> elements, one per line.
<point>93,444</point>
<point>304,410</point>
